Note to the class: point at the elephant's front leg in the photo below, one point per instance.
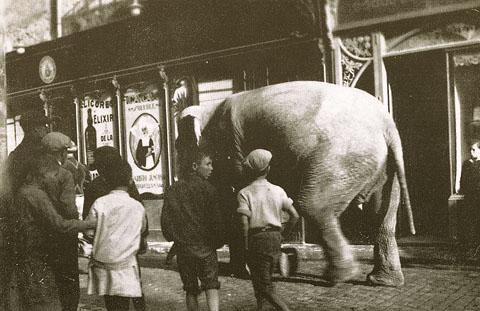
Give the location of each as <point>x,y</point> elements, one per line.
<point>387,269</point>
<point>341,263</point>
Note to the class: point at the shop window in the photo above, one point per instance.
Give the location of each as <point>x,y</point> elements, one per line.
<point>211,93</point>
<point>466,106</point>
<point>14,133</point>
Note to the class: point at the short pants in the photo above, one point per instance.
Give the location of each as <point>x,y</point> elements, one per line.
<point>192,267</point>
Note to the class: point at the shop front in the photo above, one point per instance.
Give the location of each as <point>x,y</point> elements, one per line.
<point>420,59</point>
<point>119,85</point>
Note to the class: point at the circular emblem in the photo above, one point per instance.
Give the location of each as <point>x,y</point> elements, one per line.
<point>47,69</point>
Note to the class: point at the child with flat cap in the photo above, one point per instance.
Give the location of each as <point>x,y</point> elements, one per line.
<point>260,206</point>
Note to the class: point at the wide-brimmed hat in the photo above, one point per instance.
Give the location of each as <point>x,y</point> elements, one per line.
<point>32,118</point>
<point>257,160</point>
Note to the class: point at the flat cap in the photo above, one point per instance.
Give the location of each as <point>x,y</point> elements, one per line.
<point>56,141</point>
<point>32,118</point>
<point>257,160</point>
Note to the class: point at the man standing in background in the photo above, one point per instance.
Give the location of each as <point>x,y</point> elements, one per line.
<point>35,126</point>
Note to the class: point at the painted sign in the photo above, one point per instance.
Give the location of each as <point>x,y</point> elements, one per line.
<point>352,13</point>
<point>97,124</point>
<point>143,137</point>
<point>47,69</point>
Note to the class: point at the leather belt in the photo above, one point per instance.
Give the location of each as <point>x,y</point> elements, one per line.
<point>263,229</point>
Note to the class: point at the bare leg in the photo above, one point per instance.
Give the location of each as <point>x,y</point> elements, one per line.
<point>192,302</point>
<point>171,253</point>
<point>212,299</point>
<point>276,301</point>
<point>139,303</point>
<point>260,303</point>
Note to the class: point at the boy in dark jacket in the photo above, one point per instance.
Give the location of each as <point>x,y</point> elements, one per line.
<point>191,218</point>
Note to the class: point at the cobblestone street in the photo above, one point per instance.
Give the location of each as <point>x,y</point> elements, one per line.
<point>426,288</point>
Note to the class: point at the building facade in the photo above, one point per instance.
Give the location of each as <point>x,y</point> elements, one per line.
<point>421,59</point>
<point>116,84</point>
<point>121,84</point>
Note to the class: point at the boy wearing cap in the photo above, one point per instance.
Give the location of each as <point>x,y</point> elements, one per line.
<point>35,220</point>
<point>260,207</point>
<point>62,194</point>
<point>191,218</point>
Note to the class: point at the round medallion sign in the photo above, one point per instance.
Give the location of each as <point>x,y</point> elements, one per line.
<point>47,69</point>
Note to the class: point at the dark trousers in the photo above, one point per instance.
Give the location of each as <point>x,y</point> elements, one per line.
<point>264,251</point>
<point>117,303</point>
<point>68,287</point>
<point>65,268</point>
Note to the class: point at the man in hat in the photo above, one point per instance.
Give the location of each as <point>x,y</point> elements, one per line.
<point>260,205</point>
<point>35,126</point>
<point>62,194</point>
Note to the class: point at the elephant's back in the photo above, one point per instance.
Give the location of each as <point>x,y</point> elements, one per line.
<point>309,115</point>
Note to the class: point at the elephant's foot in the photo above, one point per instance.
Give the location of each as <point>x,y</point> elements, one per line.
<point>336,275</point>
<point>382,278</point>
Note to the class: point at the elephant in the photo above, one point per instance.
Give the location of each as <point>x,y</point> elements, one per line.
<point>331,145</point>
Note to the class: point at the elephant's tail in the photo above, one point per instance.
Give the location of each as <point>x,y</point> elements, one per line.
<point>395,147</point>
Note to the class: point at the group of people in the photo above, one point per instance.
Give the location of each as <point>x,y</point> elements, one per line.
<point>43,224</point>
<point>192,219</point>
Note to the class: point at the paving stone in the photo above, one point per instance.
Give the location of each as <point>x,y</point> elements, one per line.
<point>426,288</point>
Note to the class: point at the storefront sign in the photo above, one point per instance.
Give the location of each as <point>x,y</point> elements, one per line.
<point>354,13</point>
<point>472,58</point>
<point>97,124</point>
<point>143,138</point>
<point>47,69</point>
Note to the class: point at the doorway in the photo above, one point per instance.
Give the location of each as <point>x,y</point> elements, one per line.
<point>420,109</point>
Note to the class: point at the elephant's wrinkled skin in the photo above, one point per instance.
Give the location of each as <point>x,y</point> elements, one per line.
<point>330,144</point>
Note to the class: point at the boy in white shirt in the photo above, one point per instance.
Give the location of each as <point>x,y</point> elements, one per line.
<point>260,206</point>
<point>113,268</point>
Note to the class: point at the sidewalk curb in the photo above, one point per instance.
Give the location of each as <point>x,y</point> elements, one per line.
<point>443,254</point>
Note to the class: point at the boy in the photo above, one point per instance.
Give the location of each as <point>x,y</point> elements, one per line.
<point>34,221</point>
<point>470,187</point>
<point>260,206</point>
<point>113,269</point>
<point>191,218</point>
<point>105,157</point>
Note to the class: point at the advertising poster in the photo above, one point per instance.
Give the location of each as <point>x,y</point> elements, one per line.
<point>143,138</point>
<point>97,124</point>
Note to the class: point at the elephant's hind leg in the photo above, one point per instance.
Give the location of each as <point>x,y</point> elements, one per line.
<point>387,269</point>
<point>322,199</point>
<point>341,264</point>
